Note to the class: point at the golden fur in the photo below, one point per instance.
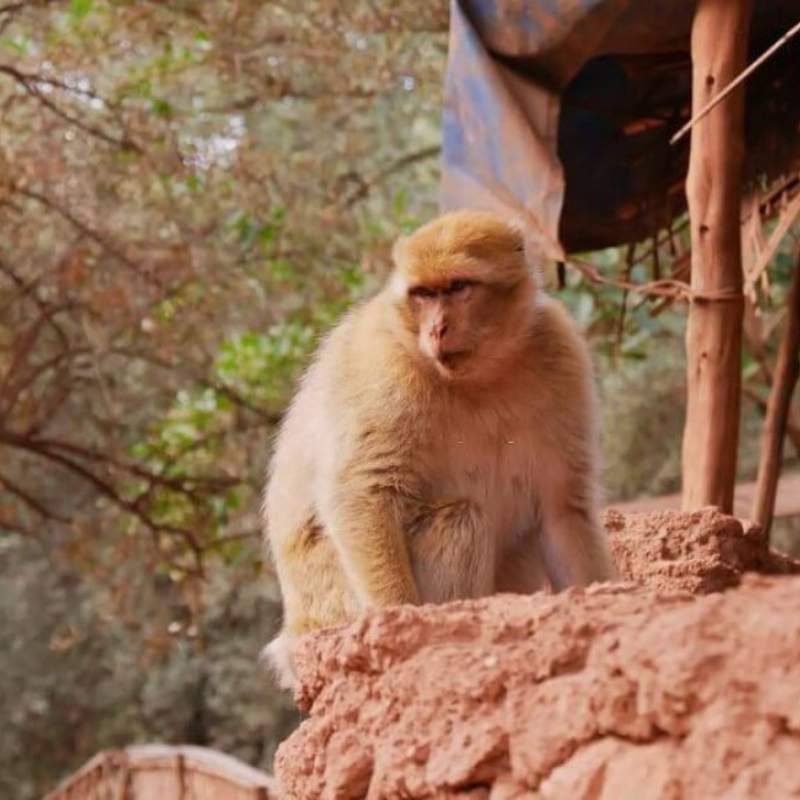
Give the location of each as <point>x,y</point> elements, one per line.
<point>442,445</point>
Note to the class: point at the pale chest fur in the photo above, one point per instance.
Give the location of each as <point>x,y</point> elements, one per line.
<point>492,458</point>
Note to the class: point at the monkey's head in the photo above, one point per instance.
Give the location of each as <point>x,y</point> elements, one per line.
<point>463,293</point>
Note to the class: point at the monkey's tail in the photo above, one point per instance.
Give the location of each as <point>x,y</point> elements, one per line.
<point>278,657</point>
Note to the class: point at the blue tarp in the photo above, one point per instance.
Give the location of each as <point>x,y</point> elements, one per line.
<point>561,111</point>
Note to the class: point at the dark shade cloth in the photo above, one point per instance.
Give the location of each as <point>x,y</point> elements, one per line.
<point>561,113</point>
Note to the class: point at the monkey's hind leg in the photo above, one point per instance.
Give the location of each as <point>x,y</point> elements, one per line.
<point>315,593</point>
<point>452,553</point>
<point>521,570</point>
<point>574,545</point>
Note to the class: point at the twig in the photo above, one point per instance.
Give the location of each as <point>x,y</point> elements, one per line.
<point>366,185</point>
<point>229,538</point>
<point>791,33</point>
<point>676,290</point>
<point>89,233</point>
<point>133,507</point>
<point>788,217</point>
<point>16,526</point>
<point>189,486</point>
<point>25,343</point>
<point>7,14</point>
<point>623,307</point>
<point>29,83</point>
<point>30,288</point>
<point>779,406</point>
<point>217,386</point>
<point>792,429</point>
<point>31,501</point>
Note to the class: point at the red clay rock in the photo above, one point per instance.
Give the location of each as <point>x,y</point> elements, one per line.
<point>698,551</point>
<point>610,693</point>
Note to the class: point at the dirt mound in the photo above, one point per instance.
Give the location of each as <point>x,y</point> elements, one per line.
<point>610,693</point>
<point>697,551</point>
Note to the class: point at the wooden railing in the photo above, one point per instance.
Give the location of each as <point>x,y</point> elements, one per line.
<point>787,501</point>
<point>162,772</point>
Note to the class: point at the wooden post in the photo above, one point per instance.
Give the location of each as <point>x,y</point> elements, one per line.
<point>720,35</point>
<point>787,372</point>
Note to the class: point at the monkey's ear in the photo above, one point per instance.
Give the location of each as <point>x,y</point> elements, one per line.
<point>398,249</point>
<point>518,234</point>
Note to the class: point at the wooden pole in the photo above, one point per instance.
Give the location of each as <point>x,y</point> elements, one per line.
<point>720,35</point>
<point>787,372</point>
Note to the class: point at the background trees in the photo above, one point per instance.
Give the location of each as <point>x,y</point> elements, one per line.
<point>190,192</point>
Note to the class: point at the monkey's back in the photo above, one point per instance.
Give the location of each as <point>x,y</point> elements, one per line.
<point>352,382</point>
<point>349,389</point>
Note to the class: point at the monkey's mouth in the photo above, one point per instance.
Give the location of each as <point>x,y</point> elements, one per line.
<point>451,360</point>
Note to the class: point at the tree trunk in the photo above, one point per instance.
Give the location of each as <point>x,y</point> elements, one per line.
<point>713,187</point>
<point>787,372</point>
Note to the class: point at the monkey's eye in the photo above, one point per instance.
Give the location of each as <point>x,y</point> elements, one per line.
<point>459,285</point>
<point>421,292</point>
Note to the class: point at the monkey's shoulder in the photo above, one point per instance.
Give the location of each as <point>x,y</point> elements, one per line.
<point>555,346</point>
<point>552,379</point>
<point>360,370</point>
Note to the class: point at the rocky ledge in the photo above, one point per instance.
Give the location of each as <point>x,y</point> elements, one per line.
<point>661,687</point>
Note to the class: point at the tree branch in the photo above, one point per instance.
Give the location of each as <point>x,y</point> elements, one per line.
<point>366,185</point>
<point>132,507</point>
<point>31,501</point>
<point>90,233</point>
<point>29,83</point>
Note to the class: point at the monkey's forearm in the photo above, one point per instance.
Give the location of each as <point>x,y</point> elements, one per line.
<point>372,548</point>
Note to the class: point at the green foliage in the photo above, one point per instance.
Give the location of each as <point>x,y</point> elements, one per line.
<point>80,9</point>
<point>262,367</point>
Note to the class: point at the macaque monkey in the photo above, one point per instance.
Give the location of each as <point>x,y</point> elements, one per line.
<point>442,445</point>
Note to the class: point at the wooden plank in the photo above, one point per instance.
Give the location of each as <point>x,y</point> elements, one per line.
<point>787,501</point>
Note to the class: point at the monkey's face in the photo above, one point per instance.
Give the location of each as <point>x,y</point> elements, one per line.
<point>465,328</point>
<point>463,293</point>
<point>444,318</point>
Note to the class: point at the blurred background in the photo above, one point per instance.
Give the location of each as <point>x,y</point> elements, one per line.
<point>190,194</point>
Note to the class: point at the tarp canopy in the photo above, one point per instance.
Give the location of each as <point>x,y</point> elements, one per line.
<point>561,111</point>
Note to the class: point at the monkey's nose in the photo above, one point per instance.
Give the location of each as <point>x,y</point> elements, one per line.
<point>438,332</point>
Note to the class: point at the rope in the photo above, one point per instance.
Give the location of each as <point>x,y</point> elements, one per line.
<point>666,287</point>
